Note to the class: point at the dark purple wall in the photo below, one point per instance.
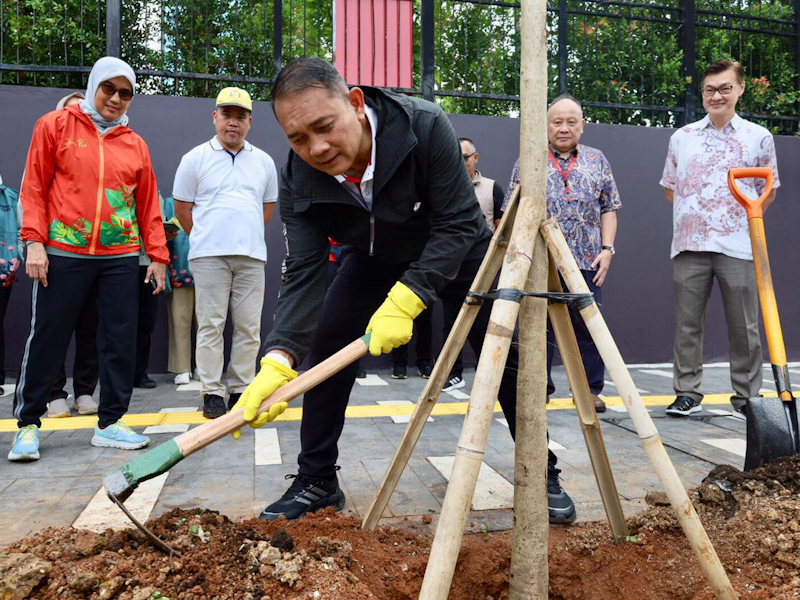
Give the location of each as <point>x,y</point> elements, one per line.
<point>638,296</point>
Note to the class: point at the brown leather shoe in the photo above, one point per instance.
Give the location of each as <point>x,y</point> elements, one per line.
<point>599,405</point>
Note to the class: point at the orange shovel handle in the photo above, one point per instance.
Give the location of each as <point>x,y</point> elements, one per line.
<point>766,292</point>
<point>753,207</point>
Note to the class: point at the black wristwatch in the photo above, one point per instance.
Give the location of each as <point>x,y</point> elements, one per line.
<point>610,249</point>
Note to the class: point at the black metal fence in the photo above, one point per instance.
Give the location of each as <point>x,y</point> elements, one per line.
<point>629,61</point>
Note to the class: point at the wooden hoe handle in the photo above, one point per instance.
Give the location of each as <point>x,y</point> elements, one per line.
<point>200,437</point>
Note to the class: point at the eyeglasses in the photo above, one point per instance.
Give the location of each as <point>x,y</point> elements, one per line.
<point>110,89</point>
<point>724,90</point>
<point>468,156</point>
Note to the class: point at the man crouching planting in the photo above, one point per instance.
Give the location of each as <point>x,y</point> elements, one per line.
<point>382,174</point>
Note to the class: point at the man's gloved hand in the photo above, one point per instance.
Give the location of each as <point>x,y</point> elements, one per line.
<point>393,323</point>
<point>271,376</point>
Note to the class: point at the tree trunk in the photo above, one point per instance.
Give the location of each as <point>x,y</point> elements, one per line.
<point>529,571</point>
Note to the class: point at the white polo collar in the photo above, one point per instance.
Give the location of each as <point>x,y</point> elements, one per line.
<point>215,145</point>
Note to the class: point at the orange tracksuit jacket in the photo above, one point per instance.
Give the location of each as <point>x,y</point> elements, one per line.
<point>89,194</point>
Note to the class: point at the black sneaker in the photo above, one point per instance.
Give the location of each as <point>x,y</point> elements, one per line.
<point>213,406</point>
<point>400,371</point>
<point>306,494</point>
<point>425,369</point>
<point>361,373</point>
<point>143,381</point>
<point>232,400</point>
<point>559,504</point>
<point>683,407</point>
<point>456,382</point>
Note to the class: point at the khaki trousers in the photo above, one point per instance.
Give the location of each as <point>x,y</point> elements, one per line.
<point>694,274</point>
<point>180,314</point>
<point>222,283</point>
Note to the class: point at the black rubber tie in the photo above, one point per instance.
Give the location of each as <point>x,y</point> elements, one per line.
<point>579,301</point>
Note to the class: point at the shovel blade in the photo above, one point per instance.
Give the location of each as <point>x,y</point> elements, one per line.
<point>771,430</point>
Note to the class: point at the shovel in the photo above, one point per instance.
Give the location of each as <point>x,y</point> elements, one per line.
<point>772,426</point>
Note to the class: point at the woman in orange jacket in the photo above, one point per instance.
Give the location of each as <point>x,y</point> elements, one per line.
<point>89,199</point>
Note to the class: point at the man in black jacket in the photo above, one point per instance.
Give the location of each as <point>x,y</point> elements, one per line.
<point>383,174</point>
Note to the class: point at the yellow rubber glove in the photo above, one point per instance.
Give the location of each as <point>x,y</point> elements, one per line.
<point>393,323</point>
<point>271,376</point>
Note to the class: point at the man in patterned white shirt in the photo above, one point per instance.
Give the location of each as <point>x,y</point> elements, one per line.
<point>710,236</point>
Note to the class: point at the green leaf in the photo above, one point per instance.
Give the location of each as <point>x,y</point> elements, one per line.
<point>117,220</point>
<point>116,199</point>
<point>112,236</point>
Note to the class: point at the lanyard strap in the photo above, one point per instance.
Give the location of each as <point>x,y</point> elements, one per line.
<point>565,176</point>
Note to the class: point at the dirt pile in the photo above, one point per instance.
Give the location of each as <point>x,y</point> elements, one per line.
<point>753,520</point>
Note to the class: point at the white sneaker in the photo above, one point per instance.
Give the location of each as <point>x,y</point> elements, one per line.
<point>85,405</point>
<point>58,409</point>
<point>183,378</point>
<point>454,383</point>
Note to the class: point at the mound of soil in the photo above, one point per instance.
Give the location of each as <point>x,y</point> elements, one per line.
<point>753,520</point>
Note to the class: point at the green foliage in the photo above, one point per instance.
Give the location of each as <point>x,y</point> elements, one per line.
<point>223,38</point>
<point>769,60</point>
<point>629,55</point>
<point>477,50</point>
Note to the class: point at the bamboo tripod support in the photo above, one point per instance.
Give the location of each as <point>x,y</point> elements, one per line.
<point>648,435</point>
<point>587,416</point>
<point>590,424</point>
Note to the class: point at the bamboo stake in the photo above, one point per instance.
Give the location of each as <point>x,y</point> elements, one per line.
<point>529,570</point>
<point>472,442</point>
<point>651,441</point>
<point>582,396</point>
<point>444,364</point>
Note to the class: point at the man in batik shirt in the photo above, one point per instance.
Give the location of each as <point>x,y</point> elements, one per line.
<point>710,236</point>
<point>582,196</point>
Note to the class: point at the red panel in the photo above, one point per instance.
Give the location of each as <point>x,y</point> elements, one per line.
<point>374,42</point>
<point>406,43</point>
<point>353,35</point>
<point>392,45</point>
<point>366,39</point>
<point>339,36</point>
<point>379,7</point>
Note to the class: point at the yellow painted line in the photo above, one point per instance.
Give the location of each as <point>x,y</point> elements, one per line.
<point>367,411</point>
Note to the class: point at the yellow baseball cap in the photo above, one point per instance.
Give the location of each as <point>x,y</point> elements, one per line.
<point>233,96</point>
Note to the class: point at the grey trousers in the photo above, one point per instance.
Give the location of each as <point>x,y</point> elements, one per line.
<point>222,283</point>
<point>693,274</point>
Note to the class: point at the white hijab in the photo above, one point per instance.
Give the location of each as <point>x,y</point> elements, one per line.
<point>104,69</point>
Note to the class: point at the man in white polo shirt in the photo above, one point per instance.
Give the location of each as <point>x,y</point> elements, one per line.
<point>225,191</point>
